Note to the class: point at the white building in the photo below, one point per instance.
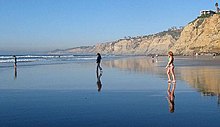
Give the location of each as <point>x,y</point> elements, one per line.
<point>207,12</point>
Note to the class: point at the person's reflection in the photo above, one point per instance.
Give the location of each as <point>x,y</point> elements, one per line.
<point>218,96</point>
<point>99,83</point>
<point>171,96</point>
<point>152,60</point>
<point>15,73</point>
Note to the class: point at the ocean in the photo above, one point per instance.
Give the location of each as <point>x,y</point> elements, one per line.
<point>23,60</point>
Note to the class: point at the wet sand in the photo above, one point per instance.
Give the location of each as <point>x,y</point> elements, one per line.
<point>133,93</point>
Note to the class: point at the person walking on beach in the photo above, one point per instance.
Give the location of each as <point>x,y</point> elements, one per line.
<point>170,67</point>
<point>15,61</point>
<point>98,61</point>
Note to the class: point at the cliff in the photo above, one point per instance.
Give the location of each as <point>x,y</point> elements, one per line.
<point>200,36</point>
<point>158,43</point>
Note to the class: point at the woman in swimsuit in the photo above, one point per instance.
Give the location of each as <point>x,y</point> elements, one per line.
<point>170,67</point>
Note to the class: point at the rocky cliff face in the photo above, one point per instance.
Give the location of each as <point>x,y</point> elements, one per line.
<point>158,43</point>
<point>200,36</point>
<point>154,44</point>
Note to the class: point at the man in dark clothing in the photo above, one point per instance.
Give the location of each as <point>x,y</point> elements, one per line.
<point>98,61</point>
<point>15,62</point>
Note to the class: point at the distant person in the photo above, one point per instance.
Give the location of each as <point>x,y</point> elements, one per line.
<point>98,61</point>
<point>171,97</point>
<point>99,83</point>
<point>156,58</point>
<point>15,61</point>
<point>170,67</point>
<point>214,55</point>
<point>152,58</point>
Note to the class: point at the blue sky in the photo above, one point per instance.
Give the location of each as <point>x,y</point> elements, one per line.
<point>41,25</point>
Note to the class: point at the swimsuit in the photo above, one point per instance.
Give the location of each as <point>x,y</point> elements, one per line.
<point>171,64</point>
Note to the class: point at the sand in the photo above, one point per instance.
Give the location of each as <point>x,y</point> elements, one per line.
<point>133,93</point>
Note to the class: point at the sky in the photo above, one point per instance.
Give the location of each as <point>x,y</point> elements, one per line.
<point>45,25</point>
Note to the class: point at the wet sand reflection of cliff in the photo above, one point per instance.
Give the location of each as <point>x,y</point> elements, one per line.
<point>204,78</point>
<point>139,64</point>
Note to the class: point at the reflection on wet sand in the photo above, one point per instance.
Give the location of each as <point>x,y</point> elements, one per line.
<point>99,83</point>
<point>15,73</point>
<point>204,78</point>
<point>171,96</point>
<point>139,64</point>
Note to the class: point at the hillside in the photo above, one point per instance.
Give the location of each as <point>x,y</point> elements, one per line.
<point>201,36</point>
<point>142,45</point>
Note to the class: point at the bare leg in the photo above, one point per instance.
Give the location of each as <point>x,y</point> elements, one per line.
<point>168,74</point>
<point>173,74</point>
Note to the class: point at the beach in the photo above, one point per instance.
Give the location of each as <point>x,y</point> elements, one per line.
<point>131,91</point>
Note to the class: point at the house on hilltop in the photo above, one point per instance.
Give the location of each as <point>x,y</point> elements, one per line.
<point>207,12</point>
<point>210,12</point>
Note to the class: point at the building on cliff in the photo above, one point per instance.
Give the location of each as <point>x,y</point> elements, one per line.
<point>207,12</point>
<point>210,12</point>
